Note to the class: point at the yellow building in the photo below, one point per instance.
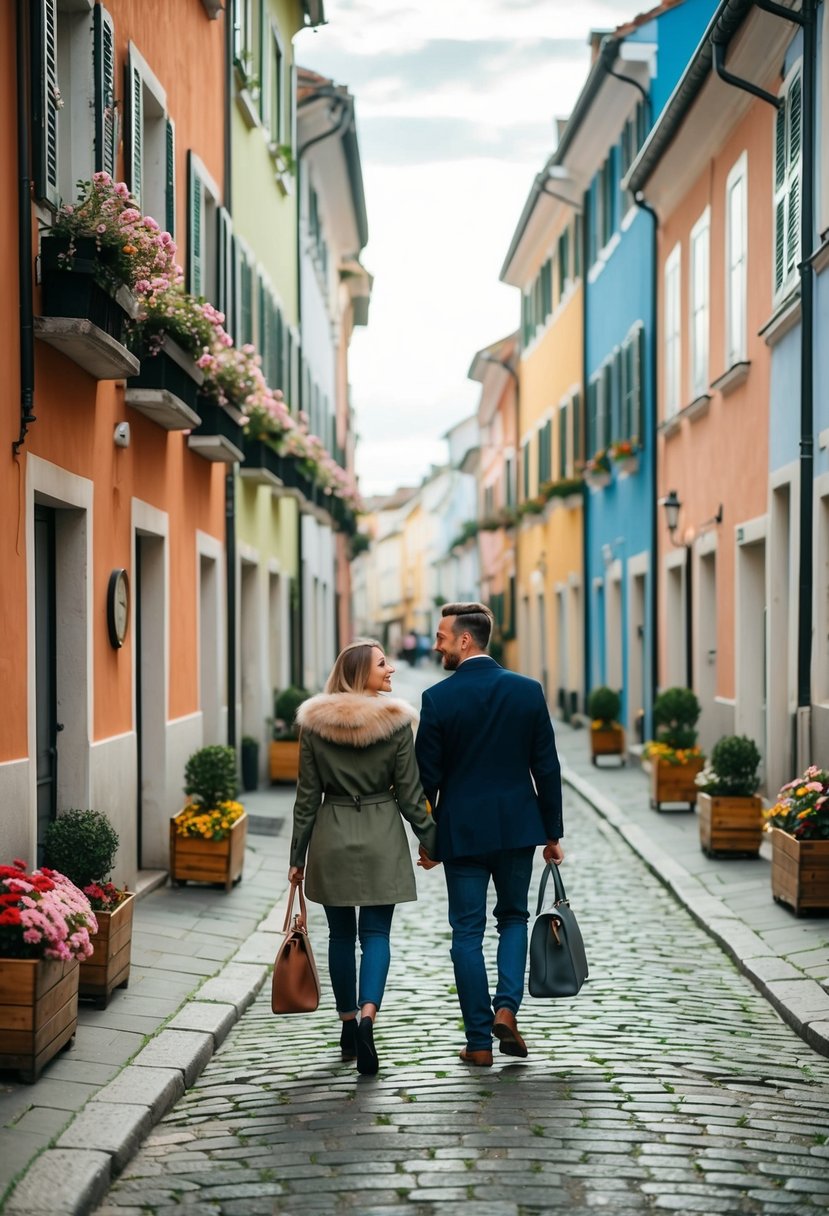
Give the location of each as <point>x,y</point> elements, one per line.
<point>544,261</point>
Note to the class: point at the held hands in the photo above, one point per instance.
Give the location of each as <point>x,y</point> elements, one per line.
<point>425,861</point>
<point>296,875</point>
<point>553,852</point>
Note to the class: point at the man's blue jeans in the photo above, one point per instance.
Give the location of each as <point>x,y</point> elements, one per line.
<point>467,882</point>
<point>373,927</point>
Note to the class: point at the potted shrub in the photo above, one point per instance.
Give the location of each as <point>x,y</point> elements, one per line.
<point>82,844</point>
<point>607,738</point>
<point>730,813</point>
<point>45,923</point>
<point>674,756</point>
<point>284,750</point>
<point>207,837</point>
<point>250,762</point>
<point>799,826</point>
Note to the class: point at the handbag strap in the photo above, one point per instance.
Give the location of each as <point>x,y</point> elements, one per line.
<point>561,894</point>
<point>302,917</point>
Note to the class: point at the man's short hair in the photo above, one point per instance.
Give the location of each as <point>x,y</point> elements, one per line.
<point>474,618</point>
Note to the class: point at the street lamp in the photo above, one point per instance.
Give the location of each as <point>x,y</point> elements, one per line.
<point>673,506</point>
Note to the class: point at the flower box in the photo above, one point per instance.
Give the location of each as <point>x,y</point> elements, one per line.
<point>284,760</point>
<point>799,871</point>
<point>674,782</point>
<point>109,966</point>
<point>607,740</point>
<point>219,436</point>
<point>626,465</point>
<point>166,389</point>
<point>262,465</point>
<point>598,481</point>
<point>215,861</point>
<point>38,1012</point>
<point>730,825</point>
<point>74,291</point>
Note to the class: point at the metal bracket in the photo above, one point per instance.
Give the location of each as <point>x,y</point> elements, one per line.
<point>778,10</point>
<point>738,82</point>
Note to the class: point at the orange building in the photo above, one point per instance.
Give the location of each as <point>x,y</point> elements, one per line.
<point>112,542</point>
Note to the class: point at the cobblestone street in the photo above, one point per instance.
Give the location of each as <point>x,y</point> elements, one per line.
<point>668,1084</point>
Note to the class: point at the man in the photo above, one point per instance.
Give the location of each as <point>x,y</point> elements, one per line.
<point>488,763</point>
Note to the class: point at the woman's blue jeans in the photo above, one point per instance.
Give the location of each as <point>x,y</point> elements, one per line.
<point>373,926</point>
<point>467,883</point>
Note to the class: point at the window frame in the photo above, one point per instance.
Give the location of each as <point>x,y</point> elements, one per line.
<point>672,330</point>
<point>789,187</point>
<point>699,307</point>
<point>736,351</point>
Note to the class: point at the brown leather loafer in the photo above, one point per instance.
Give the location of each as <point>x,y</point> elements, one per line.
<point>506,1031</point>
<point>481,1059</point>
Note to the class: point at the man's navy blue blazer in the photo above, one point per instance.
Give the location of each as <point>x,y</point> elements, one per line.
<point>484,736</point>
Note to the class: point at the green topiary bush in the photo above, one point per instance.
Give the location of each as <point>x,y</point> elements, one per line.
<point>604,705</point>
<point>82,845</point>
<point>284,711</point>
<point>675,715</point>
<point>210,776</point>
<point>732,769</point>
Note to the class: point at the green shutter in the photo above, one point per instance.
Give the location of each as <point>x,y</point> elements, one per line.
<point>609,411</point>
<point>795,108</point>
<point>135,129</point>
<point>779,244</point>
<point>562,441</point>
<point>195,210</point>
<point>638,389</point>
<point>103,58</point>
<point>780,148</point>
<point>593,417</point>
<point>224,268</point>
<point>170,180</point>
<point>45,99</point>
<point>578,429</point>
<point>792,224</point>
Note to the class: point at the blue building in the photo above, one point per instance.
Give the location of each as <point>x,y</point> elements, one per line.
<point>634,72</point>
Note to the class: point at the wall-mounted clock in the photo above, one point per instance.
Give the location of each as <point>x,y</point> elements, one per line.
<point>118,607</point>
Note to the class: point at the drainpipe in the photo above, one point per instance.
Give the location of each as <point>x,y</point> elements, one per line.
<point>654,581</point>
<point>345,119</point>
<point>585,497</point>
<point>807,19</point>
<point>230,482</point>
<point>24,227</point>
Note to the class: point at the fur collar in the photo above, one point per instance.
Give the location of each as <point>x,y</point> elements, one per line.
<point>353,719</point>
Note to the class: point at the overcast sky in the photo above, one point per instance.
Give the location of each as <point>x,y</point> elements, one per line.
<point>456,103</point>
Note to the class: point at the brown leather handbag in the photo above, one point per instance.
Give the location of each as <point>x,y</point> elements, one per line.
<point>296,985</point>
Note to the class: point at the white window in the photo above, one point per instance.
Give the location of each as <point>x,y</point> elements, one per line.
<point>787,158</point>
<point>275,110</point>
<point>736,257</point>
<point>150,143</point>
<point>700,273</point>
<point>202,230</point>
<point>673,337</point>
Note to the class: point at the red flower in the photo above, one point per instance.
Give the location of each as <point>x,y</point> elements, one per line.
<point>11,916</point>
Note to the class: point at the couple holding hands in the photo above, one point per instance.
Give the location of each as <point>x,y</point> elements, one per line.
<point>485,757</point>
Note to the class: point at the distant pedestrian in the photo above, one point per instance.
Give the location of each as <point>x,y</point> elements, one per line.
<point>410,648</point>
<point>357,777</point>
<point>488,762</point>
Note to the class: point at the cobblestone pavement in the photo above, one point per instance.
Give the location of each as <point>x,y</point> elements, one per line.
<point>669,1083</point>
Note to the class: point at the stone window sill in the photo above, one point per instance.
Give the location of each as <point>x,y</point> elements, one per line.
<point>736,375</point>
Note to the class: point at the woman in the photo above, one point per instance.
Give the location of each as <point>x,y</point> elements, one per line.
<point>357,777</point>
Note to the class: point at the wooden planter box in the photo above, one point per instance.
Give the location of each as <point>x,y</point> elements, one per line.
<point>730,825</point>
<point>109,966</point>
<point>216,861</point>
<point>38,1012</point>
<point>284,760</point>
<point>799,871</point>
<point>674,782</point>
<point>607,741</point>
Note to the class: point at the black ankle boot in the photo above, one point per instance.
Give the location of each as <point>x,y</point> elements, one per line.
<point>348,1039</point>
<point>367,1062</point>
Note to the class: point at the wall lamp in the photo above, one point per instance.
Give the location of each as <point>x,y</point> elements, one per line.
<point>673,506</point>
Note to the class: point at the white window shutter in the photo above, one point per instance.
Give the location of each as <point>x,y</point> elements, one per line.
<point>103,54</point>
<point>46,95</point>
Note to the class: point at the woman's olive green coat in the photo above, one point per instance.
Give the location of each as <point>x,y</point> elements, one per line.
<point>354,745</point>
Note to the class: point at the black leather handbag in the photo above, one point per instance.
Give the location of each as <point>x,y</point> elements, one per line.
<point>558,964</point>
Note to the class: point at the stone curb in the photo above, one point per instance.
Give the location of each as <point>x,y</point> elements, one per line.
<point>802,1003</point>
<point>72,1178</point>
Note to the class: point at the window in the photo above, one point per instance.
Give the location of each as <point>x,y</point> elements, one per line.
<point>150,141</point>
<point>578,429</point>
<point>699,304</point>
<point>736,255</point>
<point>202,231</point>
<point>787,158</point>
<point>273,89</point>
<point>509,482</point>
<point>632,385</point>
<point>633,136</point>
<point>563,450</point>
<point>545,452</point>
<point>673,338</point>
<point>563,261</point>
<point>243,28</point>
<point>526,468</point>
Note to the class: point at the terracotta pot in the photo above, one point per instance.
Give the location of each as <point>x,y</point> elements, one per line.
<point>216,861</point>
<point>284,760</point>
<point>109,966</point>
<point>730,825</point>
<point>799,871</point>
<point>674,782</point>
<point>607,740</point>
<point>38,1012</point>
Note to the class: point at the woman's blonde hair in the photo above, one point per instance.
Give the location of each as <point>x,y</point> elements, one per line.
<point>352,667</point>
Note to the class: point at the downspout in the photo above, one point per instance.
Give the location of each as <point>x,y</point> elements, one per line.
<point>807,19</point>
<point>230,477</point>
<point>654,580</point>
<point>585,494</point>
<point>344,121</point>
<point>24,227</point>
